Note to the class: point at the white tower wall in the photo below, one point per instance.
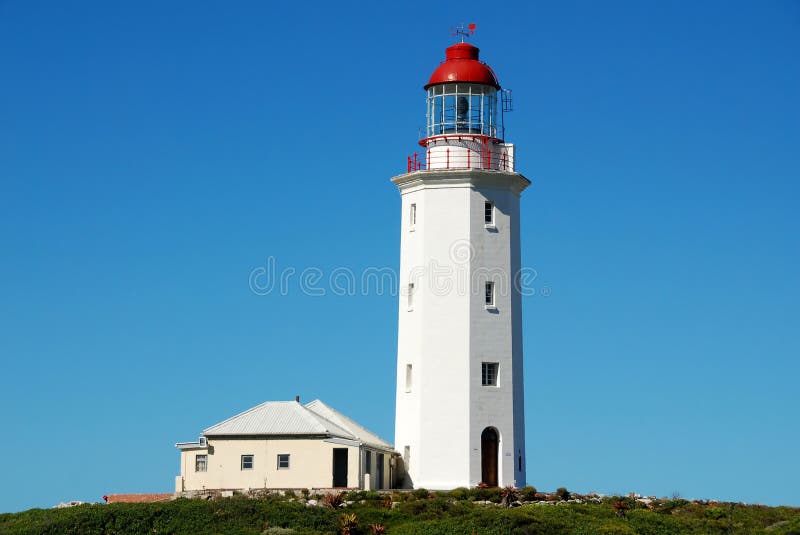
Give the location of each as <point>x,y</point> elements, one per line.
<point>448,331</point>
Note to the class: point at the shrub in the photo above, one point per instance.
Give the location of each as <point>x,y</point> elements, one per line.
<point>527,494</point>
<point>349,523</point>
<point>621,506</point>
<point>669,507</point>
<point>562,493</point>
<point>460,493</point>
<point>401,496</point>
<point>378,529</point>
<point>429,509</point>
<point>333,500</point>
<point>508,494</point>
<point>421,494</point>
<point>486,493</point>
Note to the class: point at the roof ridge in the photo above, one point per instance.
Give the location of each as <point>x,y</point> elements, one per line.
<point>318,417</point>
<point>347,422</point>
<point>251,409</point>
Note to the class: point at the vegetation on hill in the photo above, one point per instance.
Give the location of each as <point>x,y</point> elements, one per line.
<point>462,511</point>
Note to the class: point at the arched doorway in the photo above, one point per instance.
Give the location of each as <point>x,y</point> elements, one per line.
<point>489,449</point>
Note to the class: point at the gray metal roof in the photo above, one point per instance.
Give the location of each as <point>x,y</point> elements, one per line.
<point>361,433</point>
<point>278,418</point>
<point>285,418</point>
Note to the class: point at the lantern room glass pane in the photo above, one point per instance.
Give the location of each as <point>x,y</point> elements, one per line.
<point>462,109</point>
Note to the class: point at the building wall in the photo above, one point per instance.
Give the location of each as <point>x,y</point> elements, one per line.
<point>450,332</point>
<point>496,334</point>
<point>370,481</point>
<point>432,417</point>
<point>310,466</point>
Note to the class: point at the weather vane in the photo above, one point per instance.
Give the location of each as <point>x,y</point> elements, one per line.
<point>464,30</point>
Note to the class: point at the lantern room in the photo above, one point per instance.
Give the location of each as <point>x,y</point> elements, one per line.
<point>462,108</point>
<point>462,95</point>
<point>464,116</point>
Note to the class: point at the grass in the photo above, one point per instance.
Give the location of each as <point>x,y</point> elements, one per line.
<point>415,513</point>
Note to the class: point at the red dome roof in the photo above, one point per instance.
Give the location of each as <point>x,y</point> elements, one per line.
<point>462,65</point>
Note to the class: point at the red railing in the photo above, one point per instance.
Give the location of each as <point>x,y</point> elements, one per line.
<point>415,163</point>
<point>461,158</point>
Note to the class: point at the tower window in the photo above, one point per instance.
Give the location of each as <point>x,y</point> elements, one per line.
<point>200,463</point>
<point>283,461</point>
<point>410,295</point>
<point>488,213</point>
<point>489,373</point>
<point>489,294</point>
<point>412,216</point>
<point>247,462</point>
<point>408,377</point>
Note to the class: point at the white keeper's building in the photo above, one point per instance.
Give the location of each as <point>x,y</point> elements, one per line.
<point>286,445</point>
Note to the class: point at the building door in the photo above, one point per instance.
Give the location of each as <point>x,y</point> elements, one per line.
<point>379,471</point>
<point>339,467</point>
<point>489,450</point>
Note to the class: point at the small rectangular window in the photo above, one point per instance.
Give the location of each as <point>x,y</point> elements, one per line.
<point>412,218</point>
<point>408,377</point>
<point>410,295</point>
<point>489,295</point>
<point>489,373</point>
<point>488,213</point>
<point>247,462</point>
<point>200,463</point>
<point>283,461</point>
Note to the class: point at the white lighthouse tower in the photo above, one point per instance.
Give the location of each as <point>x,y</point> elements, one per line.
<point>460,417</point>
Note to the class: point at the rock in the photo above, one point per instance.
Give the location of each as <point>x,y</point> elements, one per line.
<point>311,502</point>
<point>73,503</point>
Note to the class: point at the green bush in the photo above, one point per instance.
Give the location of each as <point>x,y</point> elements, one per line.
<point>442,514</point>
<point>562,493</point>
<point>491,494</point>
<point>527,494</point>
<point>460,493</point>
<point>358,495</point>
<point>421,494</point>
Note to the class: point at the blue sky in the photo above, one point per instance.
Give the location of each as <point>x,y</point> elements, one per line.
<point>153,154</point>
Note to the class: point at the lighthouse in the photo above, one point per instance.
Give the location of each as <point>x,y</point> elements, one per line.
<point>460,416</point>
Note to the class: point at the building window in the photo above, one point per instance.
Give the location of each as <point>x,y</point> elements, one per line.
<point>200,463</point>
<point>283,461</point>
<point>410,295</point>
<point>368,463</point>
<point>489,373</point>
<point>247,462</point>
<point>489,294</point>
<point>488,213</point>
<point>408,377</point>
<point>412,218</point>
